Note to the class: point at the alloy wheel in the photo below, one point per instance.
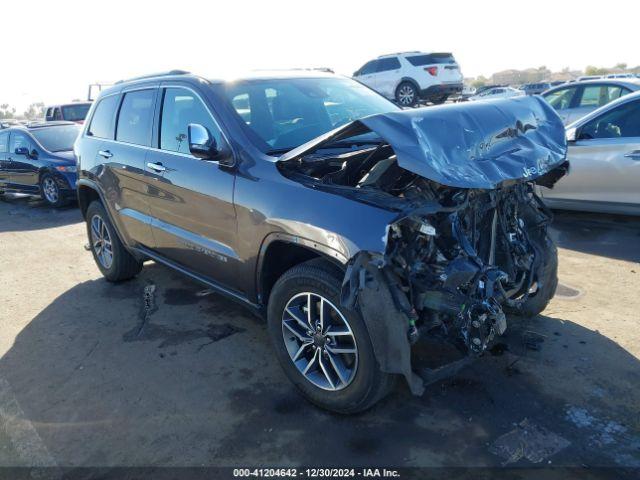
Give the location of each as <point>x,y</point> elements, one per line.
<point>406,95</point>
<point>50,190</point>
<point>101,241</point>
<point>319,341</point>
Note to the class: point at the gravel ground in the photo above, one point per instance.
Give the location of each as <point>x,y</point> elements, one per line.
<point>90,377</point>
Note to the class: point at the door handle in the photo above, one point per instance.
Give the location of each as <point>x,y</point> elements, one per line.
<point>157,167</point>
<point>105,153</point>
<point>635,155</point>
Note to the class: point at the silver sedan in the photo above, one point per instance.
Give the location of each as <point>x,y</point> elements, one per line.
<point>604,152</point>
<point>573,101</point>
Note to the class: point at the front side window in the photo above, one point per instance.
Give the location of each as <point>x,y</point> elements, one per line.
<point>102,120</point>
<point>561,99</point>
<point>58,138</point>
<point>20,140</point>
<point>620,122</point>
<point>386,64</point>
<point>135,117</point>
<point>180,107</point>
<point>281,114</point>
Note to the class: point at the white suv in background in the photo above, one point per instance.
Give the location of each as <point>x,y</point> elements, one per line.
<point>411,76</point>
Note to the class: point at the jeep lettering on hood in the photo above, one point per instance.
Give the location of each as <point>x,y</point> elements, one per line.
<point>469,242</point>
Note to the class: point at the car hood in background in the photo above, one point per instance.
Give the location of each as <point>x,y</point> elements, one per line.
<point>469,145</point>
<point>66,156</point>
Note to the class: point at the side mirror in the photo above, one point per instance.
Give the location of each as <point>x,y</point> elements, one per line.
<point>201,144</point>
<point>572,134</point>
<point>22,151</point>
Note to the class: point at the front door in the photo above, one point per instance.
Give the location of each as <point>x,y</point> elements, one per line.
<point>191,200</point>
<point>4,164</point>
<point>23,169</point>
<point>605,160</point>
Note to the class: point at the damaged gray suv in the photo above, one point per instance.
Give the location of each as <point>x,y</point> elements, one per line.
<point>353,227</point>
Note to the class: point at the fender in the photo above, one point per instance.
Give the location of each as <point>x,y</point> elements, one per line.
<point>84,182</point>
<point>322,250</point>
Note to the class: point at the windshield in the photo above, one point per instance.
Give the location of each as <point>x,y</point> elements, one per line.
<point>57,139</point>
<point>75,113</point>
<point>282,114</point>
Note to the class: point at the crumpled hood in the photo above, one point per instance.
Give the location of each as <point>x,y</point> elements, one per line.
<point>465,145</point>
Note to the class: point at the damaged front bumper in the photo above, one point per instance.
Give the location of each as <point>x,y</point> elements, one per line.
<point>449,272</point>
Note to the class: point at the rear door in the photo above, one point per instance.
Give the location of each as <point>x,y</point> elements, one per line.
<point>191,200</point>
<point>605,160</point>
<point>387,76</point>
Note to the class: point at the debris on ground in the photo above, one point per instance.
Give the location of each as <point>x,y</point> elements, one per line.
<point>530,441</point>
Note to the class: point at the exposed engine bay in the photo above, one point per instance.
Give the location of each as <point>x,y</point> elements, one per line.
<point>470,241</point>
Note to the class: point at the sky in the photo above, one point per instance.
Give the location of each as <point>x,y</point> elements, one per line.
<point>59,47</point>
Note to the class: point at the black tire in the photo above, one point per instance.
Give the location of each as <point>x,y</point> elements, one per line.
<point>406,94</point>
<point>123,265</point>
<point>368,384</point>
<point>538,301</point>
<point>53,196</point>
<point>439,100</point>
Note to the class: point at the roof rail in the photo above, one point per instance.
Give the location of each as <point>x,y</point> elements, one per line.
<point>161,74</point>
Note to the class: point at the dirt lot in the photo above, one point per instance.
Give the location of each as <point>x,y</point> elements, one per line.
<point>90,377</point>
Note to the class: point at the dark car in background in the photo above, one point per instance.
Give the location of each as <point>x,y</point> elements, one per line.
<point>535,88</point>
<point>38,159</point>
<point>351,225</point>
<point>70,112</point>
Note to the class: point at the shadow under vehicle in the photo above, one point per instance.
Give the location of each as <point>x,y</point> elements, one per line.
<point>352,226</point>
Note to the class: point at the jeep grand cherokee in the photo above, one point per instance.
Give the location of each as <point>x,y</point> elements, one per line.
<point>353,227</point>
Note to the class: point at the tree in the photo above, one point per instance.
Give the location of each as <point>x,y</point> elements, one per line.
<point>479,82</point>
<point>35,111</point>
<point>591,70</point>
<point>621,66</point>
<point>6,111</point>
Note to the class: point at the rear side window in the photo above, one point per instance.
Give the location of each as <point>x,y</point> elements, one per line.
<point>3,142</point>
<point>598,95</point>
<point>386,64</point>
<point>431,59</point>
<point>102,120</point>
<point>135,117</point>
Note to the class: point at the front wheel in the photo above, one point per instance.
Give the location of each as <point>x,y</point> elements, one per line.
<point>545,288</point>
<point>50,191</point>
<point>323,348</point>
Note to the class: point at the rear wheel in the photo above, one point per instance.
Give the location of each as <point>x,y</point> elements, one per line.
<point>112,258</point>
<point>323,348</point>
<point>406,94</point>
